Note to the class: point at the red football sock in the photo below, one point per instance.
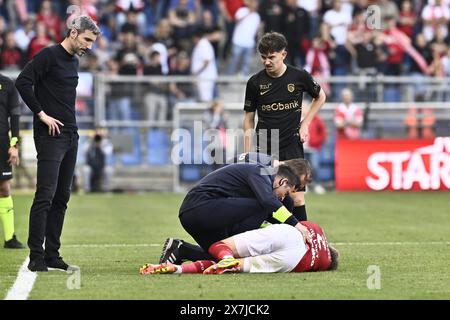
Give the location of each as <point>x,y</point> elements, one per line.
<point>220,250</point>
<point>196,267</point>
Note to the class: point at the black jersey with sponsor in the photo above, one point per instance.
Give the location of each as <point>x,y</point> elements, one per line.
<point>9,104</point>
<point>278,102</point>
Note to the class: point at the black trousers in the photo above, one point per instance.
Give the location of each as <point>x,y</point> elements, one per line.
<point>56,157</point>
<point>218,219</point>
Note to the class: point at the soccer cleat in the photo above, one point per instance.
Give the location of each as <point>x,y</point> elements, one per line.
<point>170,253</point>
<point>147,268</point>
<point>13,243</point>
<point>227,265</point>
<point>164,268</point>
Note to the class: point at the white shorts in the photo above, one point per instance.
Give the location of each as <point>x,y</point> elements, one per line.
<point>205,90</point>
<point>276,248</point>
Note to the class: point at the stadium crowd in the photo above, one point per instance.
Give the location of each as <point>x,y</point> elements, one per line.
<point>325,37</point>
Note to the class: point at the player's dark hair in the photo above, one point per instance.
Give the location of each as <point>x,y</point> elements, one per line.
<point>81,24</point>
<point>272,42</point>
<point>301,168</point>
<point>334,258</point>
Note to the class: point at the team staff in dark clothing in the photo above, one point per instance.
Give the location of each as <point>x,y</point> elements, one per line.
<point>9,156</point>
<point>54,74</point>
<point>276,94</point>
<point>236,198</point>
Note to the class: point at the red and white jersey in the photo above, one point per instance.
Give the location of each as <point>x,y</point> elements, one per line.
<point>349,113</point>
<point>433,12</point>
<point>318,256</point>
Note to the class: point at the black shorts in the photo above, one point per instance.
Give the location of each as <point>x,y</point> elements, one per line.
<point>5,168</point>
<point>293,151</point>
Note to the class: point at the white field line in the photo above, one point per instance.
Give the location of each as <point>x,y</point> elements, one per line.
<point>393,243</point>
<point>398,243</point>
<point>25,278</point>
<point>24,283</point>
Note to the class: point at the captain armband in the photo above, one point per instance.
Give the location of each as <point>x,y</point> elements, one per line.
<point>284,216</point>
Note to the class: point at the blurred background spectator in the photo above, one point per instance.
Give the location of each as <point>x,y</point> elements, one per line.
<point>348,117</point>
<point>244,38</point>
<point>317,136</point>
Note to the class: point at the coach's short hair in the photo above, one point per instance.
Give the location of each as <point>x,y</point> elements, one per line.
<point>272,42</point>
<point>334,258</point>
<point>81,24</point>
<point>301,169</point>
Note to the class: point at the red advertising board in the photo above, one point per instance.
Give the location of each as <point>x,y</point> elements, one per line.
<point>393,164</point>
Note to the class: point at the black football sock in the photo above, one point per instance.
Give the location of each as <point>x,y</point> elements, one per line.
<point>193,252</point>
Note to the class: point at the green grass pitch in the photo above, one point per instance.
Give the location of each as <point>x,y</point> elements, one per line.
<point>111,236</point>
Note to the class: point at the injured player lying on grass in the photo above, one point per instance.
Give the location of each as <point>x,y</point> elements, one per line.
<point>275,248</point>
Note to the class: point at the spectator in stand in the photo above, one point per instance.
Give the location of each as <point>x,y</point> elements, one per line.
<point>3,28</point>
<point>445,60</point>
<point>103,52</point>
<point>183,19</point>
<point>24,34</point>
<point>244,38</point>
<point>212,30</point>
<point>396,50</point>
<point>313,8</point>
<point>122,8</point>
<point>99,182</point>
<point>228,10</point>
<point>408,19</point>
<point>440,41</point>
<point>131,23</point>
<point>436,69</point>
<point>317,63</point>
<point>328,41</point>
<point>357,28</point>
<point>129,45</point>
<point>317,135</point>
<point>365,54</point>
<point>388,8</point>
<point>348,117</point>
<point>51,20</point>
<point>119,107</point>
<point>11,57</point>
<point>204,66</point>
<point>96,161</point>
<point>382,52</point>
<point>40,41</point>
<point>156,97</point>
<point>295,26</point>
<point>164,35</point>
<point>424,49</point>
<point>181,91</point>
<point>435,16</point>
<point>272,15</point>
<point>339,21</point>
<point>216,118</point>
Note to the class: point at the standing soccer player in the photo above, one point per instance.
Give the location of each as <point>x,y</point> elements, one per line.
<point>9,156</point>
<point>54,74</point>
<point>276,94</point>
